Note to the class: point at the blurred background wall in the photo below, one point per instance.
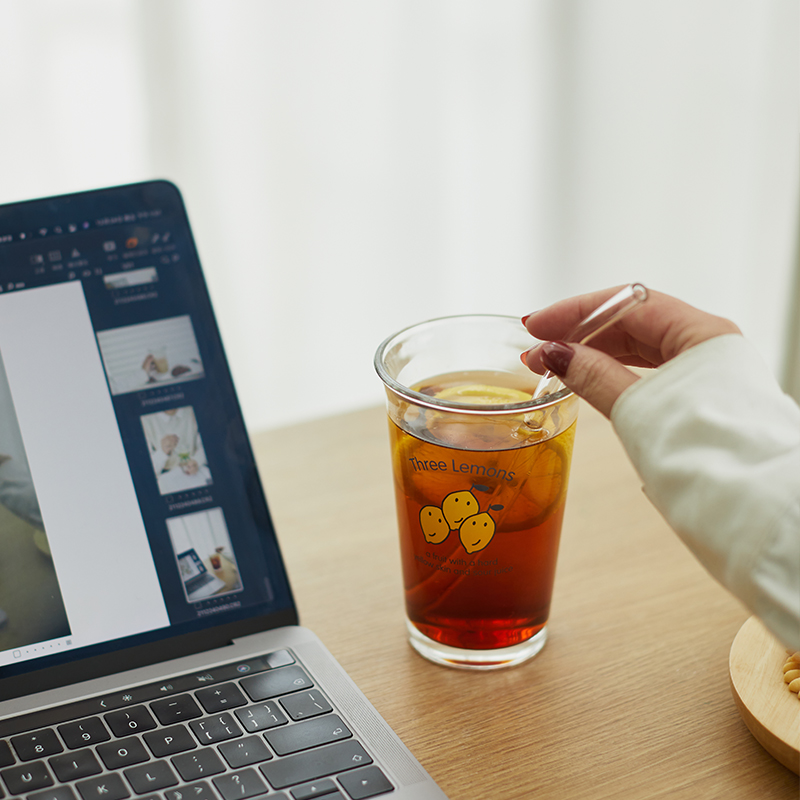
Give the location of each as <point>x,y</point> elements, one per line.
<point>355,166</point>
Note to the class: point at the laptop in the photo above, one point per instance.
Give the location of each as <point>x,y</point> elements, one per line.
<point>118,680</point>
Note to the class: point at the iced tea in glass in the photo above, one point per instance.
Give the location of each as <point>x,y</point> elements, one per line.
<point>480,475</point>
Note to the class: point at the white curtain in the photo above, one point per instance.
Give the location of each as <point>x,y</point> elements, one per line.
<point>351,167</point>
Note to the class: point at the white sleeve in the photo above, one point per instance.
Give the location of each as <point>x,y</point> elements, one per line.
<point>153,436</point>
<point>717,445</point>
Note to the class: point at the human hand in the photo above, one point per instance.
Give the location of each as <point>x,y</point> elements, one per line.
<point>655,332</point>
<point>169,443</point>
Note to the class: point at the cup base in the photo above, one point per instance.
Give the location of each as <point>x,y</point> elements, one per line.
<point>475,659</point>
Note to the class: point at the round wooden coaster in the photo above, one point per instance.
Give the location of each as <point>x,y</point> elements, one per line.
<point>769,709</point>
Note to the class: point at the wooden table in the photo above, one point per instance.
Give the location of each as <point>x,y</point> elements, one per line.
<point>630,697</point>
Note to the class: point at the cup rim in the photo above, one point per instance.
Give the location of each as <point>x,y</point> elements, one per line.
<point>427,401</point>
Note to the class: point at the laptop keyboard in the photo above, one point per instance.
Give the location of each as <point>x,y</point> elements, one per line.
<point>259,728</point>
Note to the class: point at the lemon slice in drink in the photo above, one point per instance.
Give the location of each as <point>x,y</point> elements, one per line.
<point>546,481</point>
<point>476,432</point>
<point>482,394</point>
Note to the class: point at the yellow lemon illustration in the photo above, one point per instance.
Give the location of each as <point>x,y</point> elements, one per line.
<point>434,526</point>
<point>476,532</point>
<point>457,506</point>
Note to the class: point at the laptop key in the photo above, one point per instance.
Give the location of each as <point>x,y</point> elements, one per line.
<point>6,756</point>
<point>245,752</point>
<point>151,777</point>
<point>367,782</point>
<point>319,763</point>
<point>176,709</point>
<point>335,795</point>
<point>305,735</point>
<point>168,741</point>
<point>73,766</point>
<point>259,718</point>
<point>30,746</point>
<point>130,720</point>
<point>200,764</point>
<point>215,729</point>
<point>194,791</point>
<point>220,698</point>
<point>276,682</point>
<point>84,732</point>
<point>278,658</point>
<point>123,753</point>
<point>240,785</point>
<point>305,704</point>
<point>310,791</point>
<point>105,787</point>
<point>27,778</point>
<point>56,793</point>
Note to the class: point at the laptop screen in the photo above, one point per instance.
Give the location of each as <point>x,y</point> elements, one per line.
<point>126,477</point>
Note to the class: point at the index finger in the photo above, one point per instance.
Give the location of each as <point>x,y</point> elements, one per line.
<point>655,332</point>
<point>594,316</point>
<point>557,320</point>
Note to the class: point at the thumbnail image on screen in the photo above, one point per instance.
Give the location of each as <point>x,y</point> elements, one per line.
<point>176,450</point>
<point>134,277</point>
<point>150,354</point>
<point>205,558</point>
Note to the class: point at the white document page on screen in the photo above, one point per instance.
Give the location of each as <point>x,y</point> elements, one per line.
<point>80,473</point>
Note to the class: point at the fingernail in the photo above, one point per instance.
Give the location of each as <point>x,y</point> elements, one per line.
<point>523,357</point>
<point>526,317</point>
<point>556,357</point>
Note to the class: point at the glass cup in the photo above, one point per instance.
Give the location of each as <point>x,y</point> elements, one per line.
<point>480,476</point>
<point>160,358</point>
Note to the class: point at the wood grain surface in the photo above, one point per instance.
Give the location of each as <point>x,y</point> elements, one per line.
<point>630,697</point>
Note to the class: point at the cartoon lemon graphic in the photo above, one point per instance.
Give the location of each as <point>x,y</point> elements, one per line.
<point>457,506</point>
<point>476,532</point>
<point>434,526</point>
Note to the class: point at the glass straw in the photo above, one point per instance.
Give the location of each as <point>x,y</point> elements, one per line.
<point>601,318</point>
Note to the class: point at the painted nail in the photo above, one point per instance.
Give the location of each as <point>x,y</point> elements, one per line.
<point>525,318</point>
<point>556,357</point>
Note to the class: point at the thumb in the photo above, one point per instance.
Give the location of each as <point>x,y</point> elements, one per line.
<point>596,377</point>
